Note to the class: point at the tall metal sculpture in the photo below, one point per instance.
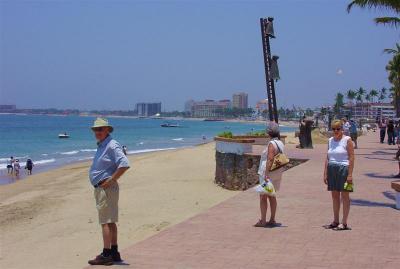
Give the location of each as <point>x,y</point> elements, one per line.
<point>271,66</point>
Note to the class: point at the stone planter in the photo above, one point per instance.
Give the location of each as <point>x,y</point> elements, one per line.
<point>236,165</point>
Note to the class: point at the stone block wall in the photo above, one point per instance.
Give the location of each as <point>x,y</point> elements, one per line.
<point>236,172</point>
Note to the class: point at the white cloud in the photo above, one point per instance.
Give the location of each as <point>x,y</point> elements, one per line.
<point>339,72</point>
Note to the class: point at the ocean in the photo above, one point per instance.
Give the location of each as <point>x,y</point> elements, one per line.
<point>36,137</point>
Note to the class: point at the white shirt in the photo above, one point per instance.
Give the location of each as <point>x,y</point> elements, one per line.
<point>337,151</point>
<point>346,127</point>
<point>264,156</point>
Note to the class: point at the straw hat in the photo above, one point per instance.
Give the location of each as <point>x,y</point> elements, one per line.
<point>102,122</point>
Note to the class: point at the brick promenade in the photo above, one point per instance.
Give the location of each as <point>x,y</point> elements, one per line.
<point>223,236</point>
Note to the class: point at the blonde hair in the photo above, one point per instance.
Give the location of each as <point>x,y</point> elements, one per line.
<point>337,123</point>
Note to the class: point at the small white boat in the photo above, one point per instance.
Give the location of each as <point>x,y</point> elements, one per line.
<point>64,135</point>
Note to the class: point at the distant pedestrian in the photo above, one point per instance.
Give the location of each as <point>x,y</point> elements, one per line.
<point>274,147</point>
<point>382,130</point>
<point>390,132</point>
<point>346,127</point>
<point>29,166</point>
<point>124,150</point>
<point>338,174</point>
<point>353,132</point>
<point>17,167</point>
<point>109,164</point>
<point>10,165</point>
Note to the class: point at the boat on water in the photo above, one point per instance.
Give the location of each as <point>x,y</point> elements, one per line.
<point>64,135</point>
<point>168,124</point>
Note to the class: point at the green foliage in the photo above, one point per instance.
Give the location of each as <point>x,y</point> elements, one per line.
<point>226,134</point>
<point>389,5</point>
<point>257,133</point>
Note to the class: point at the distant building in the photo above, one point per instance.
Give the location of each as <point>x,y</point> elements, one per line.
<point>148,109</point>
<point>7,108</point>
<point>188,105</point>
<point>369,110</point>
<point>209,108</point>
<point>240,100</point>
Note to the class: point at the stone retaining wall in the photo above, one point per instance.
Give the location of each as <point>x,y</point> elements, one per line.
<point>239,172</point>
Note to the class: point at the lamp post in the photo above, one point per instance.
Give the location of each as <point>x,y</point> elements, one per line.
<point>270,65</point>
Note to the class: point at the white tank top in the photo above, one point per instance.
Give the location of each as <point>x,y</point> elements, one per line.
<point>337,150</point>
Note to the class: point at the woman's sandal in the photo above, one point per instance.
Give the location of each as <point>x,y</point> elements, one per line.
<point>342,227</point>
<point>271,224</point>
<point>333,225</point>
<point>260,224</point>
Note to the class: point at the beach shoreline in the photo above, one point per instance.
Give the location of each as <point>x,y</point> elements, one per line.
<point>54,211</point>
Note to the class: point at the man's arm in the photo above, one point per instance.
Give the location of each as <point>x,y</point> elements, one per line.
<point>122,165</point>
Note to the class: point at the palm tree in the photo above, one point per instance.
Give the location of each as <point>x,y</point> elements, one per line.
<point>382,94</point>
<point>360,95</point>
<point>368,98</point>
<point>373,93</point>
<point>339,102</point>
<point>393,69</point>
<point>351,95</point>
<point>390,5</point>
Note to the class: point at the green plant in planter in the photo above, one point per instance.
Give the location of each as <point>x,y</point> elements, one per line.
<point>226,134</point>
<point>257,133</point>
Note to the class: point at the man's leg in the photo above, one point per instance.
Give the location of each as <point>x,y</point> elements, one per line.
<point>114,242</point>
<point>107,235</point>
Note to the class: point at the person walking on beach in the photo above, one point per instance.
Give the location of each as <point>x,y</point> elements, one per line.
<point>382,130</point>
<point>338,174</point>
<point>109,164</point>
<point>29,166</point>
<point>353,132</point>
<point>17,167</point>
<point>10,165</point>
<point>274,146</point>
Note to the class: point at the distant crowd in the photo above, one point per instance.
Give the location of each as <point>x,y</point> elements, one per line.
<point>14,166</point>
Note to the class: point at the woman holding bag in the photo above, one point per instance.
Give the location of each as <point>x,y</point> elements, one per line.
<point>274,146</point>
<point>338,174</point>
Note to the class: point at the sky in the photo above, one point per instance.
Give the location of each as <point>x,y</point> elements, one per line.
<point>114,54</point>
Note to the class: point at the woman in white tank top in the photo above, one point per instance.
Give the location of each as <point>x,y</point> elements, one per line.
<point>274,147</point>
<point>338,173</point>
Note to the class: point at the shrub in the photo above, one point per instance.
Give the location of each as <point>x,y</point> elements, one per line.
<point>226,134</point>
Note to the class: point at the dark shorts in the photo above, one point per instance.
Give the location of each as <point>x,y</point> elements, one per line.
<point>353,136</point>
<point>337,176</point>
<point>9,166</point>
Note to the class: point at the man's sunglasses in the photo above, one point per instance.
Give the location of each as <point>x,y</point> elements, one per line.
<point>98,129</point>
<point>336,129</point>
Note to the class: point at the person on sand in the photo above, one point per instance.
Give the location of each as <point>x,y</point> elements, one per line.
<point>10,165</point>
<point>274,146</point>
<point>29,166</point>
<point>17,167</point>
<point>338,170</point>
<point>109,164</point>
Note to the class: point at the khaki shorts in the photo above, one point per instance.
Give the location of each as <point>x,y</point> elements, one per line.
<point>107,203</point>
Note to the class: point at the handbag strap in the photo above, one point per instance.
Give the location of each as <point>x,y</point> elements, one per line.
<point>279,149</point>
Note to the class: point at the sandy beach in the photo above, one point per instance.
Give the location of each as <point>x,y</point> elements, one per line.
<point>49,220</point>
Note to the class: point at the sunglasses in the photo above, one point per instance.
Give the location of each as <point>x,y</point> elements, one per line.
<point>99,129</point>
<point>336,129</point>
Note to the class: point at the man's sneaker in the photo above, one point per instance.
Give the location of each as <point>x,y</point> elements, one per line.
<point>116,257</point>
<point>102,260</point>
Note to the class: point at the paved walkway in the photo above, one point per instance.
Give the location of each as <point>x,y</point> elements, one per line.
<point>223,236</point>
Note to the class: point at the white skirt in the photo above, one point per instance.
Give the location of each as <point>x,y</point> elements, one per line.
<point>275,177</point>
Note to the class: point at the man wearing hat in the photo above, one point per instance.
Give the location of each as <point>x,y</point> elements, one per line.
<point>109,164</point>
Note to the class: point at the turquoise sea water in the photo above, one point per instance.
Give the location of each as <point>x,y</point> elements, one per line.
<point>36,137</point>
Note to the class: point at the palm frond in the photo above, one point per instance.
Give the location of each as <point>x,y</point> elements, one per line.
<point>392,21</point>
<point>378,4</point>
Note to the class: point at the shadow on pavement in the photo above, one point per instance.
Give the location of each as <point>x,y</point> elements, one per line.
<point>362,202</point>
<point>390,195</point>
<point>378,175</point>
